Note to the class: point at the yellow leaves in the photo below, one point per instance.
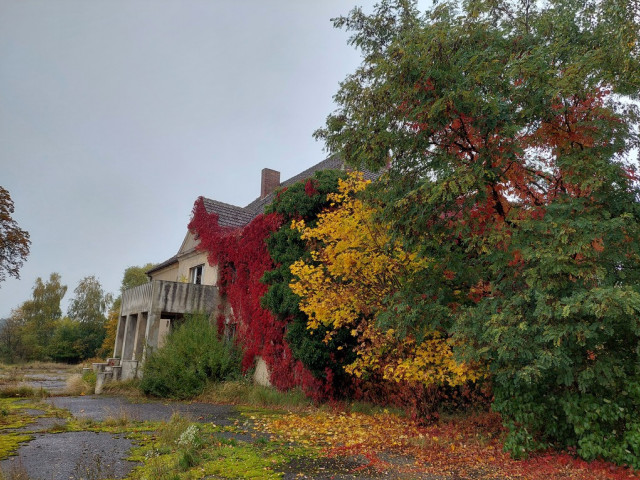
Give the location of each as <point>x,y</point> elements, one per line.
<point>461,446</point>
<point>351,274</point>
<point>349,277</point>
<point>339,429</point>
<point>298,225</point>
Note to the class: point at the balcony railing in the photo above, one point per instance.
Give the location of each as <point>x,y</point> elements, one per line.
<point>172,297</point>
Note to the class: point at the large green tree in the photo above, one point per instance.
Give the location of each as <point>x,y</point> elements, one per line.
<point>12,346</point>
<point>133,276</point>
<point>40,314</point>
<point>89,307</point>
<point>509,128</point>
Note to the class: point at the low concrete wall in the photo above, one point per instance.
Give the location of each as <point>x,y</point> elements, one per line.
<point>142,309</point>
<point>177,297</point>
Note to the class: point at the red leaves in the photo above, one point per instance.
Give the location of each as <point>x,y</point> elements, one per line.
<point>242,258</point>
<point>310,188</point>
<point>598,245</point>
<point>467,447</point>
<point>517,259</point>
<point>448,274</point>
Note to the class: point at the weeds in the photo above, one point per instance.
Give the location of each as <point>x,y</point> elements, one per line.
<point>193,354</point>
<point>76,385</point>
<point>23,391</point>
<point>58,428</point>
<point>243,392</point>
<point>169,433</point>
<point>121,418</point>
<point>128,388</point>
<point>93,468</point>
<point>15,472</point>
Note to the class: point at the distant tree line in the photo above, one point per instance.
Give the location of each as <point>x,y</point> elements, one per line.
<point>37,329</point>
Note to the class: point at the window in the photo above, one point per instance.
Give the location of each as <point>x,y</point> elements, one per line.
<point>195,274</point>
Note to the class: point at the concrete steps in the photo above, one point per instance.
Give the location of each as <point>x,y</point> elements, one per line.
<point>112,370</point>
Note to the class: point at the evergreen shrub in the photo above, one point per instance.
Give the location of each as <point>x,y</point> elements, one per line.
<point>193,354</point>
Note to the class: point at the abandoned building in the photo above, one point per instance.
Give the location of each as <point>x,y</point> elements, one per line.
<point>185,283</point>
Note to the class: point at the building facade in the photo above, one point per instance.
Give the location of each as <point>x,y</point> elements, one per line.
<point>185,283</point>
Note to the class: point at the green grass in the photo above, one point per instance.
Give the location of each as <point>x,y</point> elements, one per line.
<point>13,416</point>
<point>10,442</point>
<point>174,451</point>
<point>127,388</point>
<point>243,392</point>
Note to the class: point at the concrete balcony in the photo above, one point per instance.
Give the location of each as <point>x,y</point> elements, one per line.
<point>173,297</point>
<point>147,313</point>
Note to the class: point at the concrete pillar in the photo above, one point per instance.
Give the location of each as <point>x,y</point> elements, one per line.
<point>101,379</point>
<point>117,350</point>
<point>129,337</point>
<point>163,331</point>
<point>151,334</point>
<point>141,330</point>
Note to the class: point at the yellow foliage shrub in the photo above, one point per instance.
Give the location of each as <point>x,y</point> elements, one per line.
<point>354,267</point>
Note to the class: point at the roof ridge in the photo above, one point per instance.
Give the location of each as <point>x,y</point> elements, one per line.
<point>221,203</point>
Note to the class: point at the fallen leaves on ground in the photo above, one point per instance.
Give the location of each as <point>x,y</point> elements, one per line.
<point>467,447</point>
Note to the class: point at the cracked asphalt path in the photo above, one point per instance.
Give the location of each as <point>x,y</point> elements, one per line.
<point>81,455</point>
<point>90,455</point>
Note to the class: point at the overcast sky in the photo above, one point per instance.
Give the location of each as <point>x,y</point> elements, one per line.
<point>116,115</point>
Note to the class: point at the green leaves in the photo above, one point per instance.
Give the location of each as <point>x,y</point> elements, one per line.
<point>193,354</point>
<point>509,141</point>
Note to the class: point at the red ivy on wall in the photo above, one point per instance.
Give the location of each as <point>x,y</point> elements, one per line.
<point>242,258</point>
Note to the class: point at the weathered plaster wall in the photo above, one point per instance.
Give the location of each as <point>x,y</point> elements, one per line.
<point>193,259</point>
<point>169,274</point>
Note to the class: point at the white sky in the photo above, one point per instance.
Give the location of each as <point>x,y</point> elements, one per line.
<point>115,115</point>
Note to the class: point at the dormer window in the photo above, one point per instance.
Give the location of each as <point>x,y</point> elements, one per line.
<point>195,274</point>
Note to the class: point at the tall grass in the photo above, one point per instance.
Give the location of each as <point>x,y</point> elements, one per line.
<point>242,392</point>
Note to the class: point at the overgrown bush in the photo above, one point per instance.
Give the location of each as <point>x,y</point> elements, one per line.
<point>324,359</point>
<point>193,354</point>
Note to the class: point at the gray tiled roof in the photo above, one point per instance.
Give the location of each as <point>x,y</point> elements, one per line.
<point>228,215</point>
<point>332,163</point>
<point>233,216</point>
<point>160,266</point>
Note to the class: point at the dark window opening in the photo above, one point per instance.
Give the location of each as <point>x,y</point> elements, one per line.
<point>195,274</point>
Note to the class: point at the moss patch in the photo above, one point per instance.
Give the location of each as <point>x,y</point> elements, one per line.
<point>10,442</point>
<point>180,449</point>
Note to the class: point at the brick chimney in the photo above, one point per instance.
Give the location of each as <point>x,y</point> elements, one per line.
<point>270,181</point>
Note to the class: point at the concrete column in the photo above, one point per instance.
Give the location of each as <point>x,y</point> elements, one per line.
<point>129,337</point>
<point>141,331</point>
<point>117,349</point>
<point>151,334</point>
